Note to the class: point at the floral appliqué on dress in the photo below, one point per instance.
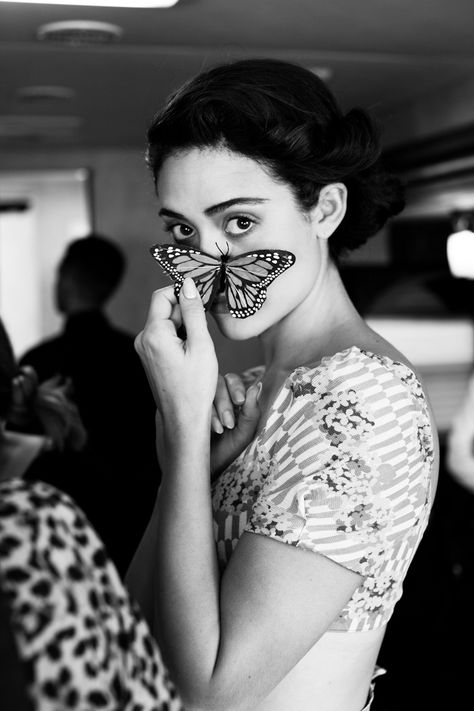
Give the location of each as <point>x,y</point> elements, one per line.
<point>341,468</point>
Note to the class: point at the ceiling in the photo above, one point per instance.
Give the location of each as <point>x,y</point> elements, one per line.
<point>380,53</point>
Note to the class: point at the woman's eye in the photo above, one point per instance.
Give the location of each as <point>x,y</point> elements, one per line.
<point>239,225</point>
<point>180,231</point>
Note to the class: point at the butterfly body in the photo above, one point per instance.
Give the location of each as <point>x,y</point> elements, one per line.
<point>243,279</point>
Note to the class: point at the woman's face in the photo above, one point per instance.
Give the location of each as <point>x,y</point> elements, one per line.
<point>218,201</point>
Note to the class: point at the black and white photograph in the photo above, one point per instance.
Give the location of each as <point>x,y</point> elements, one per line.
<point>236,355</point>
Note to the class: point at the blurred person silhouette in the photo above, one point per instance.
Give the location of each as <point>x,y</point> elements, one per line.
<point>111,392</point>
<point>70,635</point>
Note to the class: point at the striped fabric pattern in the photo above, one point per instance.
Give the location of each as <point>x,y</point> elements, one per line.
<point>342,468</point>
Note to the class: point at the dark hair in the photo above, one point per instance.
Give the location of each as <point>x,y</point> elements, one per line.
<point>8,370</point>
<point>284,117</point>
<point>96,263</point>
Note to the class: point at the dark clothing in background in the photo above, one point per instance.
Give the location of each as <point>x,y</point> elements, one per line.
<point>114,479</point>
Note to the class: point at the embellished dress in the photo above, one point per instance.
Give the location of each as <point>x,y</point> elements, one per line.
<point>342,467</point>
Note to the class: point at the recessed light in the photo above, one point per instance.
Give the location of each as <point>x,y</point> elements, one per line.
<point>44,126</point>
<point>79,32</point>
<point>102,3</point>
<point>44,93</point>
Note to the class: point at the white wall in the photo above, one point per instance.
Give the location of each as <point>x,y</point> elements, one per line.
<point>31,244</point>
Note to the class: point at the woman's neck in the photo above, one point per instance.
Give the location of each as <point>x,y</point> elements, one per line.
<point>17,452</point>
<point>326,322</point>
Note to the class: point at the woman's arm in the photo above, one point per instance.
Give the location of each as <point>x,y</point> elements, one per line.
<point>219,637</point>
<point>229,648</point>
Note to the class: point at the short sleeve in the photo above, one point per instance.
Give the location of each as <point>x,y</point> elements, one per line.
<point>348,464</point>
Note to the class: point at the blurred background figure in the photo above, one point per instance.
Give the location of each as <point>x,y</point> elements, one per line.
<point>114,477</point>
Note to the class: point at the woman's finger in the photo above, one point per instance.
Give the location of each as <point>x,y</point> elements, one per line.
<point>223,403</point>
<point>249,412</point>
<point>165,312</point>
<point>162,303</point>
<point>176,317</point>
<point>236,388</point>
<point>162,322</point>
<point>216,424</point>
<point>192,311</point>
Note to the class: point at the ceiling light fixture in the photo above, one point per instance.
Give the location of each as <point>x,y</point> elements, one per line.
<point>102,3</point>
<point>52,127</point>
<point>79,32</point>
<point>39,93</point>
<point>460,247</point>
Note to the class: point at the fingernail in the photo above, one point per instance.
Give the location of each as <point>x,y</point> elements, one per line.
<point>189,288</point>
<point>259,391</point>
<point>217,425</point>
<point>228,419</point>
<point>239,398</point>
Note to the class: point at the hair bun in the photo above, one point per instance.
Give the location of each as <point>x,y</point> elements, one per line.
<point>352,145</point>
<point>362,139</point>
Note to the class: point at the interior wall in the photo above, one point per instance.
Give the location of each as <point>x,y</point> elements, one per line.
<point>125,210</point>
<point>32,242</point>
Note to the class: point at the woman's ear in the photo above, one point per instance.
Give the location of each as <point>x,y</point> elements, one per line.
<point>329,210</point>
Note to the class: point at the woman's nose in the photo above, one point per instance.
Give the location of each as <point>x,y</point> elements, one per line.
<point>214,244</point>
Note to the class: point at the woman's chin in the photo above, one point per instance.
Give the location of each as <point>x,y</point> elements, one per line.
<point>237,329</point>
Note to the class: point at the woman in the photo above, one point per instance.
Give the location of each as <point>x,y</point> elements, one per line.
<point>70,637</point>
<point>273,590</point>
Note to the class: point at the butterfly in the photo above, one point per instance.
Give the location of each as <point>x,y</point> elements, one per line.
<point>244,279</point>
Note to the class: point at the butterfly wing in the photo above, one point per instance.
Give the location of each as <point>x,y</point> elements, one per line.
<point>180,261</point>
<point>248,276</point>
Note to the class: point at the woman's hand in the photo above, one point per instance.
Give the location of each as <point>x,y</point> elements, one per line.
<point>182,374</point>
<point>46,407</point>
<point>235,416</point>
<point>59,416</point>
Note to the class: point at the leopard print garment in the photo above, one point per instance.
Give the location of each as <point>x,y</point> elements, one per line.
<point>82,641</point>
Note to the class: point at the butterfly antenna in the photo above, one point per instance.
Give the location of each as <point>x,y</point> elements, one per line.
<point>220,250</point>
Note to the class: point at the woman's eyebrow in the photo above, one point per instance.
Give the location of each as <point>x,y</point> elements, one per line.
<point>164,212</point>
<point>220,207</point>
<point>214,209</point>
